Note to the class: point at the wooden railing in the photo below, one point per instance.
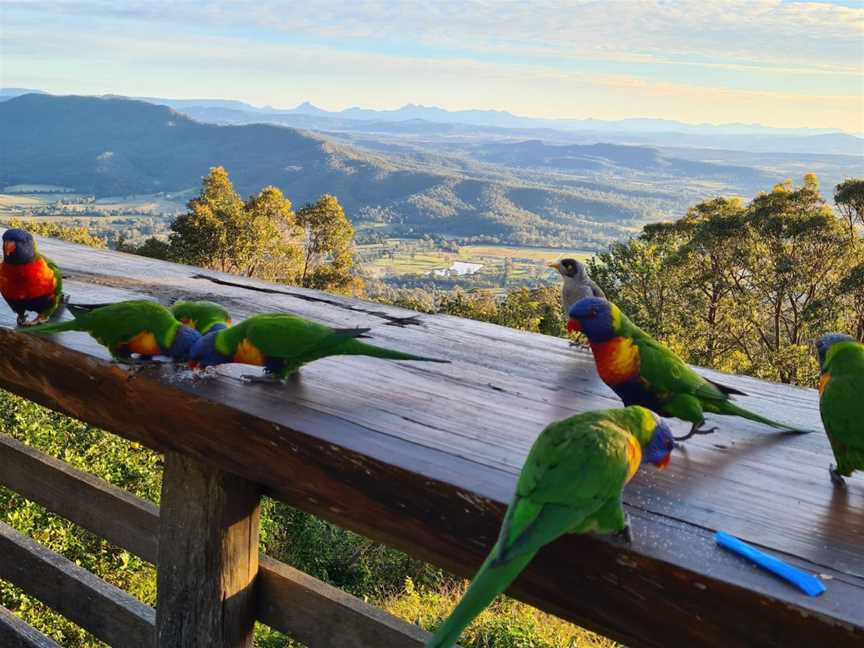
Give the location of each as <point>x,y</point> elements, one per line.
<point>421,457</point>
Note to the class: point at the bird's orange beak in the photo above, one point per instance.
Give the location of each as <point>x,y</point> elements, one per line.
<point>573,326</point>
<point>9,248</point>
<point>555,265</point>
<point>664,462</point>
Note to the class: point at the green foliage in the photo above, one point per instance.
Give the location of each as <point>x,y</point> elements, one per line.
<point>504,624</point>
<point>328,248</point>
<point>80,235</point>
<point>849,198</point>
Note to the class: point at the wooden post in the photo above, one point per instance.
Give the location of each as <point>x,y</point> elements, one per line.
<point>208,557</point>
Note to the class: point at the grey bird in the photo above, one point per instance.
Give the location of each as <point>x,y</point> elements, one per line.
<point>577,284</point>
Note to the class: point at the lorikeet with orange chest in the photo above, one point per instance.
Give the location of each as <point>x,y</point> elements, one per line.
<point>203,316</point>
<point>131,327</point>
<point>644,372</point>
<point>841,401</point>
<point>282,343</point>
<point>571,482</point>
<point>28,280</point>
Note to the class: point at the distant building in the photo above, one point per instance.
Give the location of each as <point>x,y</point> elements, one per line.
<point>459,268</point>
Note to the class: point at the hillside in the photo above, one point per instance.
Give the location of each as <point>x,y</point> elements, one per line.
<point>114,146</point>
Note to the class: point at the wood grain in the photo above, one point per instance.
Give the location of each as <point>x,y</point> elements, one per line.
<point>424,457</point>
<point>208,556</point>
<point>15,633</point>
<point>99,607</point>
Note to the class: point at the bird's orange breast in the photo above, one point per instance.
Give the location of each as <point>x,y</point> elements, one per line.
<point>634,456</point>
<point>248,353</point>
<point>617,360</point>
<point>26,281</point>
<point>144,344</point>
<point>823,381</point>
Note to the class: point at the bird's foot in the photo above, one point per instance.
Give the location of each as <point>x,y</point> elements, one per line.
<point>696,429</point>
<point>626,534</point>
<point>23,322</point>
<point>266,379</point>
<point>836,477</point>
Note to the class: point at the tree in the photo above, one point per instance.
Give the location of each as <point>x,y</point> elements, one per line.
<point>328,246</point>
<point>277,253</point>
<point>849,198</point>
<point>210,233</point>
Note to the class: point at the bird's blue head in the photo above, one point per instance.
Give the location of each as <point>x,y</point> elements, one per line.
<point>18,247</point>
<point>184,341</point>
<point>204,353</point>
<point>658,450</point>
<point>597,318</point>
<point>824,343</point>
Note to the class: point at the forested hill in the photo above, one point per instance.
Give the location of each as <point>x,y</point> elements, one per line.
<point>115,146</point>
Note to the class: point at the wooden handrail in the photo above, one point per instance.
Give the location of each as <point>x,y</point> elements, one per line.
<point>425,457</point>
<point>14,633</point>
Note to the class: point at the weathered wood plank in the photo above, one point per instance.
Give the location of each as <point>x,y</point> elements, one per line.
<point>320,616</point>
<point>208,557</point>
<point>369,445</point>
<point>15,633</point>
<point>101,608</point>
<point>108,511</point>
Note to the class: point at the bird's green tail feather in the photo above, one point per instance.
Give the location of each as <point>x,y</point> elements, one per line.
<point>731,409</point>
<point>59,327</point>
<point>487,584</point>
<point>356,347</point>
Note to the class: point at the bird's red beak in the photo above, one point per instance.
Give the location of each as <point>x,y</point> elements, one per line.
<point>661,465</point>
<point>193,364</point>
<point>9,248</point>
<point>573,326</point>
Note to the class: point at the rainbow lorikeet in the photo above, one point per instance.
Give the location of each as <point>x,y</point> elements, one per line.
<point>571,482</point>
<point>137,326</point>
<point>282,343</point>
<point>841,389</point>
<point>644,372</point>
<point>28,280</point>
<point>203,316</point>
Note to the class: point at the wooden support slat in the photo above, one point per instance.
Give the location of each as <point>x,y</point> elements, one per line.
<point>320,615</point>
<point>15,633</point>
<point>208,557</point>
<point>288,600</point>
<point>99,607</point>
<point>111,512</point>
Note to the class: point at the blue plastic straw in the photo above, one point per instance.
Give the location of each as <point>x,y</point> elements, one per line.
<point>806,582</point>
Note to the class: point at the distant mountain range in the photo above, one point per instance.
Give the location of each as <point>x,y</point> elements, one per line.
<point>484,187</point>
<point>418,119</point>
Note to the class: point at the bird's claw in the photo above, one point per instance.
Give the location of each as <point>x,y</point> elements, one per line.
<point>626,533</point>
<point>836,477</point>
<point>694,431</point>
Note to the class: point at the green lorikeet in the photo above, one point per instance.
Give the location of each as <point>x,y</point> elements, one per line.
<point>28,280</point>
<point>138,326</point>
<point>644,372</point>
<point>203,316</point>
<point>282,343</point>
<point>571,482</point>
<point>841,390</point>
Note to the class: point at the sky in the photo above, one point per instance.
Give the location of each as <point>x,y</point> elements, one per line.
<point>774,62</point>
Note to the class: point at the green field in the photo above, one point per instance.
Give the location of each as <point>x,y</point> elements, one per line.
<point>396,258</point>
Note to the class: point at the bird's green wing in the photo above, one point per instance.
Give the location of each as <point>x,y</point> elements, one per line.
<point>665,371</point>
<point>575,468</point>
<point>118,323</point>
<point>202,315</point>
<point>58,286</point>
<point>841,405</point>
<point>291,337</point>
